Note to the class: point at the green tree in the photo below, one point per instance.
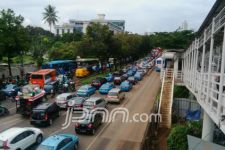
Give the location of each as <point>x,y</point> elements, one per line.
<point>14,38</point>
<point>40,46</point>
<point>50,16</point>
<point>64,51</point>
<point>177,139</point>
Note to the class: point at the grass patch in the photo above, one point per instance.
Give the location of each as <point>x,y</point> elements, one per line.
<point>89,79</point>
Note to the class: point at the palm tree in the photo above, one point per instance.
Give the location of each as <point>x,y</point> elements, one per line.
<point>50,16</point>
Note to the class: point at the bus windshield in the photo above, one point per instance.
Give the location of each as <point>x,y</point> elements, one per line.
<point>36,76</point>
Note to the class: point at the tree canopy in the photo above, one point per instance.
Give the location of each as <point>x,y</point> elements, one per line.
<point>14,39</point>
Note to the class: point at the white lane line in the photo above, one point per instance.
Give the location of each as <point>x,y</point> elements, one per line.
<point>103,129</point>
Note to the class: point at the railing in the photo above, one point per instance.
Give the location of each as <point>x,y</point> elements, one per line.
<point>163,76</point>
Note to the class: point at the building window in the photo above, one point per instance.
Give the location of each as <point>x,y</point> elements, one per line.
<point>57,31</point>
<point>68,30</point>
<point>62,31</point>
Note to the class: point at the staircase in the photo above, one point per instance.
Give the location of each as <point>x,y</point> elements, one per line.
<point>166,99</point>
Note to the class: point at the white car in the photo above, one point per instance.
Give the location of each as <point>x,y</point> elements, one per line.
<point>63,99</point>
<point>18,138</point>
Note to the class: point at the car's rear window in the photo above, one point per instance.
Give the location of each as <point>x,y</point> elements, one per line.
<point>112,93</point>
<point>45,147</point>
<point>78,100</point>
<point>38,115</point>
<point>88,103</point>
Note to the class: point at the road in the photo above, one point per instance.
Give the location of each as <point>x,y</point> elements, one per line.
<point>116,135</point>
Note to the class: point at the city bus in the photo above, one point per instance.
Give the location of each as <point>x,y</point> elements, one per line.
<point>61,66</point>
<point>159,64</point>
<point>43,76</point>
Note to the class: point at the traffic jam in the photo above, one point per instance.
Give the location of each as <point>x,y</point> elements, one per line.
<point>47,93</point>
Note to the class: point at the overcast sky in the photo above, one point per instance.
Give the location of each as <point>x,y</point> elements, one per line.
<point>140,15</point>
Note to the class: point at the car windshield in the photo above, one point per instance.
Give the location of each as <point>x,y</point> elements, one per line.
<point>117,78</point>
<point>38,115</point>
<point>78,100</point>
<point>113,94</point>
<point>45,147</point>
<point>47,86</point>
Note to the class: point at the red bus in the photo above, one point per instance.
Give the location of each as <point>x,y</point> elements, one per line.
<point>43,76</point>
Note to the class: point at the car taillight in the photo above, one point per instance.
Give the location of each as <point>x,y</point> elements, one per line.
<point>5,146</point>
<point>90,126</point>
<point>79,106</point>
<point>77,125</point>
<point>46,117</point>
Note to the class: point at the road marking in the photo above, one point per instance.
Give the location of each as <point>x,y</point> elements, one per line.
<point>103,129</point>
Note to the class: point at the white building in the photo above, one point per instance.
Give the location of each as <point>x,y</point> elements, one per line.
<point>183,27</point>
<point>117,26</point>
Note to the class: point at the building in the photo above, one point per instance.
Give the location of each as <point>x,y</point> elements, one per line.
<point>183,27</point>
<point>117,26</point>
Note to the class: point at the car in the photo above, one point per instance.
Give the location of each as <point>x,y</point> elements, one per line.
<point>109,77</point>
<point>115,95</point>
<point>44,114</point>
<point>138,76</point>
<point>105,88</point>
<point>97,83</point>
<point>125,76</point>
<point>118,80</point>
<point>132,80</point>
<point>95,102</point>
<point>130,72</point>
<point>86,91</point>
<point>117,73</point>
<point>124,70</point>
<point>62,99</point>
<point>82,72</point>
<point>10,90</point>
<point>142,71</point>
<point>89,124</point>
<point>125,86</point>
<point>60,142</point>
<point>19,138</point>
<point>3,111</point>
<point>77,102</point>
<point>51,87</point>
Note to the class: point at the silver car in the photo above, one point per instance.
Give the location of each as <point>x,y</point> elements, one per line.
<point>115,95</point>
<point>62,99</point>
<point>95,102</point>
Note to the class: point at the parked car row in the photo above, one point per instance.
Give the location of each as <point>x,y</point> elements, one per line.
<point>18,138</point>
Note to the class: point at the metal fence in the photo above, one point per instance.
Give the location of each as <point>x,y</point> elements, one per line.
<point>182,105</point>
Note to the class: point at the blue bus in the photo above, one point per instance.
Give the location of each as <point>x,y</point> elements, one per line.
<point>61,66</point>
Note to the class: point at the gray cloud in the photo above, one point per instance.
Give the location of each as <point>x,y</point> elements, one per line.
<point>140,15</point>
